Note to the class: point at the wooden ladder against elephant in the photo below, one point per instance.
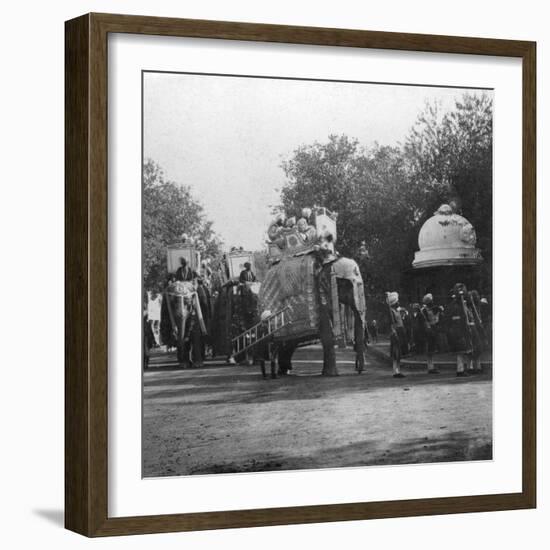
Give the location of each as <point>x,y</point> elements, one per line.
<point>259,332</point>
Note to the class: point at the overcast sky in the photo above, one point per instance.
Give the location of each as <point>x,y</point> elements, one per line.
<point>226,137</point>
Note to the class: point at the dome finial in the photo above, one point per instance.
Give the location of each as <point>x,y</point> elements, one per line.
<point>444,210</point>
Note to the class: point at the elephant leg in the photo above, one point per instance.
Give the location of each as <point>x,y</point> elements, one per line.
<point>327,340</point>
<point>180,353</point>
<point>185,353</point>
<point>359,342</point>
<point>203,347</point>
<point>196,347</point>
<point>291,351</point>
<point>285,358</point>
<point>284,361</point>
<point>182,349</point>
<point>273,361</point>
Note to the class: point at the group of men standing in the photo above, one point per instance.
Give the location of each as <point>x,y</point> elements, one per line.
<point>460,324</point>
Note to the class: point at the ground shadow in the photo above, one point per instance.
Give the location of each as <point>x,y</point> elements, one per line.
<point>449,447</point>
<point>231,386</point>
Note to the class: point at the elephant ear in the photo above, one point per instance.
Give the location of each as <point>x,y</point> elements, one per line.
<point>200,317</point>
<point>346,268</point>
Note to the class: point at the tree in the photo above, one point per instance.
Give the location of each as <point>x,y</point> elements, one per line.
<point>169,210</point>
<point>366,188</point>
<point>384,194</point>
<point>451,158</point>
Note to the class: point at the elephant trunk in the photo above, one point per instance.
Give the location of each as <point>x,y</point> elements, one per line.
<point>181,326</point>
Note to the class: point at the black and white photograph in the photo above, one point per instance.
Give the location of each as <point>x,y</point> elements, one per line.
<point>317,274</point>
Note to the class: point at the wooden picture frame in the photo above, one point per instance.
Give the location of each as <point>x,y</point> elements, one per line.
<point>86,230</point>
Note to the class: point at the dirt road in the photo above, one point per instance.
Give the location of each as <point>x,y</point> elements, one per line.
<point>229,419</point>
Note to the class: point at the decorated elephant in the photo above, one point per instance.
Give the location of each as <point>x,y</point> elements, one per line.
<point>182,323</point>
<point>312,287</point>
<point>235,310</point>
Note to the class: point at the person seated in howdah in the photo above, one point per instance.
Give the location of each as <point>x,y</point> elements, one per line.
<point>247,275</point>
<point>205,272</point>
<point>184,272</point>
<point>306,231</point>
<point>276,227</point>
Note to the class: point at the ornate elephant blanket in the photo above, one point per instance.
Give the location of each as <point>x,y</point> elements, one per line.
<point>292,283</point>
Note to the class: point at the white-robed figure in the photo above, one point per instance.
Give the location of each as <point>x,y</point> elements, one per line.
<point>398,335</point>
<point>276,227</point>
<point>306,231</point>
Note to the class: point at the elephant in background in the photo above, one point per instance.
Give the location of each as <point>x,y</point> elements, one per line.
<point>235,310</point>
<point>182,324</point>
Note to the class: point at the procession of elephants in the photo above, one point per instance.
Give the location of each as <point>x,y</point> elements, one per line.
<point>308,293</point>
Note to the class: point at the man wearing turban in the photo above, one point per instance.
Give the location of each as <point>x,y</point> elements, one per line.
<point>398,336</point>
<point>430,317</point>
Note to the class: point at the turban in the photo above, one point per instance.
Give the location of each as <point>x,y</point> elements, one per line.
<point>459,287</point>
<point>393,298</point>
<point>428,299</point>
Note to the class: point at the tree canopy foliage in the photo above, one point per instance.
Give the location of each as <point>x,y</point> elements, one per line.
<point>383,194</point>
<point>169,210</point>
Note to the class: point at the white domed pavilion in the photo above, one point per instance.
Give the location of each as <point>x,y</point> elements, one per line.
<point>446,239</point>
<point>447,253</point>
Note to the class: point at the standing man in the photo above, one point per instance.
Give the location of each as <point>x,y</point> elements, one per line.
<point>486,317</point>
<point>153,312</point>
<point>419,329</point>
<point>374,331</point>
<point>430,317</point>
<point>479,339</point>
<point>184,272</point>
<point>461,321</point>
<point>398,336</point>
<point>148,338</point>
<point>205,273</point>
<point>407,324</point>
<point>247,275</point>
